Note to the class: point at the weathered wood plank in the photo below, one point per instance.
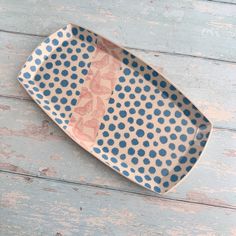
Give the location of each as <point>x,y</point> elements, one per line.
<point>31,143</point>
<point>51,208</point>
<point>224,1</point>
<point>200,28</point>
<point>209,84</point>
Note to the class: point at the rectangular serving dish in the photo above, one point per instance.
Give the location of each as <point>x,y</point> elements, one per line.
<point>116,107</point>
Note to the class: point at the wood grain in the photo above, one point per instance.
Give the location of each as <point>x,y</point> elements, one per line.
<point>31,143</point>
<point>50,208</point>
<point>203,81</point>
<point>199,28</point>
<point>50,186</point>
<point>223,1</point>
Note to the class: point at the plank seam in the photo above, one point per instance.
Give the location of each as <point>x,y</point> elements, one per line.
<point>164,198</point>
<point>218,1</point>
<point>181,54</point>
<point>30,100</point>
<point>138,49</point>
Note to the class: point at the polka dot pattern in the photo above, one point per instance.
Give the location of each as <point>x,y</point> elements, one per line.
<point>152,127</point>
<point>60,66</point>
<point>141,125</point>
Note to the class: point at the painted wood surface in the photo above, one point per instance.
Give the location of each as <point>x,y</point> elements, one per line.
<point>199,28</point>
<point>52,208</point>
<point>50,186</point>
<point>203,81</point>
<point>31,143</point>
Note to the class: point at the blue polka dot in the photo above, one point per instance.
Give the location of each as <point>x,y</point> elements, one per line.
<point>46,76</point>
<point>146,144</point>
<point>162,152</point>
<point>126,61</point>
<point>46,92</point>
<point>49,48</point>
<point>37,61</point>
<point>84,72</point>
<point>65,44</point>
<point>127,88</point>
<point>187,112</point>
<point>161,120</point>
<point>157,112</point>
<point>27,75</point>
<point>152,154</point>
<point>90,48</point>
<point>193,160</point>
<point>123,114</point>
<point>49,65</point>
<point>190,130</point>
<point>138,90</point>
<point>63,100</point>
<point>38,52</point>
<point>164,172</point>
<point>42,85</point>
<point>150,135</point>
<point>174,178</point>
<point>64,83</point>
<point>163,84</point>
<point>59,121</point>
<point>147,77</point>
<point>74,31</point>
<point>114,160</point>
<point>157,179</point>
<point>47,108</point>
<point>163,139</point>
<point>121,125</point>
<point>127,71</point>
<point>122,144</point>
<point>139,121</point>
<point>57,107</point>
<point>60,34</point>
<point>85,56</point>
<point>54,99</point>
<point>74,58</point>
<point>33,68</point>
<point>97,150</point>
<point>192,150</point>
<point>39,96</point>
<point>134,160</point>
<point>183,159</point>
<point>140,133</point>
<point>125,173</point>
<point>158,162</point>
<point>148,105</point>
<point>55,42</point>
<point>141,170</point>
<point>152,170</point>
<point>177,169</point>
<point>139,179</point>
<point>131,151</point>
<point>115,151</point>
<point>141,152</point>
<point>58,91</point>
<point>146,161</point>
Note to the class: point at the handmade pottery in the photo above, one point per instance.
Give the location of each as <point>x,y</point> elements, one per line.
<point>116,107</point>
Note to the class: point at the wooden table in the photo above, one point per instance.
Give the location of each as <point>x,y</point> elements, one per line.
<point>50,186</point>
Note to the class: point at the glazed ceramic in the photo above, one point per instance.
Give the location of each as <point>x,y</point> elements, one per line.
<point>116,107</point>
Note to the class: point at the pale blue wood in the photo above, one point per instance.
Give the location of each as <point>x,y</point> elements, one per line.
<point>52,208</point>
<point>199,79</point>
<point>31,144</point>
<point>199,28</point>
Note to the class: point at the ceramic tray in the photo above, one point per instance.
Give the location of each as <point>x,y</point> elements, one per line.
<point>116,107</point>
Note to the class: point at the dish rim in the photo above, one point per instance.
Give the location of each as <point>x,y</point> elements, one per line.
<point>209,125</point>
